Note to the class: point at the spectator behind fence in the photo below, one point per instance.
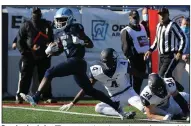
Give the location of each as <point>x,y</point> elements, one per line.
<point>33,37</point>
<point>134,44</point>
<point>184,63</point>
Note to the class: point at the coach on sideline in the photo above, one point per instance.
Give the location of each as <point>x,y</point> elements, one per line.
<point>171,42</point>
<point>134,44</point>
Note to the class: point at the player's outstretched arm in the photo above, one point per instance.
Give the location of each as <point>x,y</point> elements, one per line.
<point>152,109</point>
<point>80,94</point>
<point>153,112</point>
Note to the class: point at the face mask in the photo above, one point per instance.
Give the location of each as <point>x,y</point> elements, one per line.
<point>185,29</point>
<point>145,17</point>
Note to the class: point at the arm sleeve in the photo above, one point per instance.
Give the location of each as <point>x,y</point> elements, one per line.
<point>127,44</point>
<point>180,35</point>
<point>21,38</point>
<point>154,45</point>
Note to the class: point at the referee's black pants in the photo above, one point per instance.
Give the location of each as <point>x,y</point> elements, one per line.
<point>167,65</point>
<point>138,62</point>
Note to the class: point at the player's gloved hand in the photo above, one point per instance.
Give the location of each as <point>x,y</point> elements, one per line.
<point>66,107</point>
<point>52,47</point>
<point>76,40</point>
<point>168,117</point>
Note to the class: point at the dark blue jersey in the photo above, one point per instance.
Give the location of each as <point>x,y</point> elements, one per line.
<point>67,37</point>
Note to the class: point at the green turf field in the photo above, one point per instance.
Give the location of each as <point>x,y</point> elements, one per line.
<point>51,114</point>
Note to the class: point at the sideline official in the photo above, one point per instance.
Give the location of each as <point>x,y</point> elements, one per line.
<point>171,43</point>
<point>134,44</point>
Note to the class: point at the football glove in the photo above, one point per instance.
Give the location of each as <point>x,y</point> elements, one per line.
<point>52,48</point>
<point>66,107</point>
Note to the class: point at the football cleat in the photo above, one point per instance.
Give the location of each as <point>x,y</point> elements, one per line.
<point>18,100</point>
<point>28,99</point>
<point>129,115</point>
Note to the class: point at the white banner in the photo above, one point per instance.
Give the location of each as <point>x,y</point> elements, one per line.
<point>16,15</point>
<point>103,27</point>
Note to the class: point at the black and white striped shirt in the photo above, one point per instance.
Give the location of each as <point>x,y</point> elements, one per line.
<point>169,38</point>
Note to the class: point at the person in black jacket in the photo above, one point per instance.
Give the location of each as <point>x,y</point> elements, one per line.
<point>32,40</point>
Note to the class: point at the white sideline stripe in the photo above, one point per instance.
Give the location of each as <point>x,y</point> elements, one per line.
<point>75,113</point>
<point>86,114</point>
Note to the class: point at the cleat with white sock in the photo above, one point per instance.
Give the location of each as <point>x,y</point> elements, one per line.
<point>28,99</point>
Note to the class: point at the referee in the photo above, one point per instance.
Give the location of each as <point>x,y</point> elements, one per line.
<point>171,43</point>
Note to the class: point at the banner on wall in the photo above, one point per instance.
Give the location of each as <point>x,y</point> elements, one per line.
<point>103,27</point>
<point>17,15</point>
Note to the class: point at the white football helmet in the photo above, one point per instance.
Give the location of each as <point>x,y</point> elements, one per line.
<point>63,17</point>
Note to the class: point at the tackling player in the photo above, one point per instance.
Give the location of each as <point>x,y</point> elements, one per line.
<point>162,101</point>
<point>114,74</point>
<point>73,40</point>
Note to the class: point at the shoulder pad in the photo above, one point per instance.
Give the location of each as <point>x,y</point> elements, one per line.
<point>170,85</point>
<point>146,93</point>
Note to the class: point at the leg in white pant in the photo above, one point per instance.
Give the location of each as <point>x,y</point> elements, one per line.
<point>105,109</point>
<point>126,98</point>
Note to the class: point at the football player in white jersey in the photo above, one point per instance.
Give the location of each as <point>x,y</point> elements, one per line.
<point>113,73</point>
<point>162,101</point>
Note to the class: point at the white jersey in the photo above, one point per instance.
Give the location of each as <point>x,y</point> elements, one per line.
<point>118,82</point>
<point>155,100</point>
<point>140,39</point>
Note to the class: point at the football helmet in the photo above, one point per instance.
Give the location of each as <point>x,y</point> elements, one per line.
<point>157,85</point>
<point>63,17</point>
<point>109,57</point>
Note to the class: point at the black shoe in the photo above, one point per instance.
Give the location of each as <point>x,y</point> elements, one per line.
<point>19,99</point>
<point>129,115</point>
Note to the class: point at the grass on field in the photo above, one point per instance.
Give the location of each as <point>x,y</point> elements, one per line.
<point>51,114</point>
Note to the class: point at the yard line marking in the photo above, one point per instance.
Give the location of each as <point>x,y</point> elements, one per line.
<point>75,113</point>
<point>86,114</point>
